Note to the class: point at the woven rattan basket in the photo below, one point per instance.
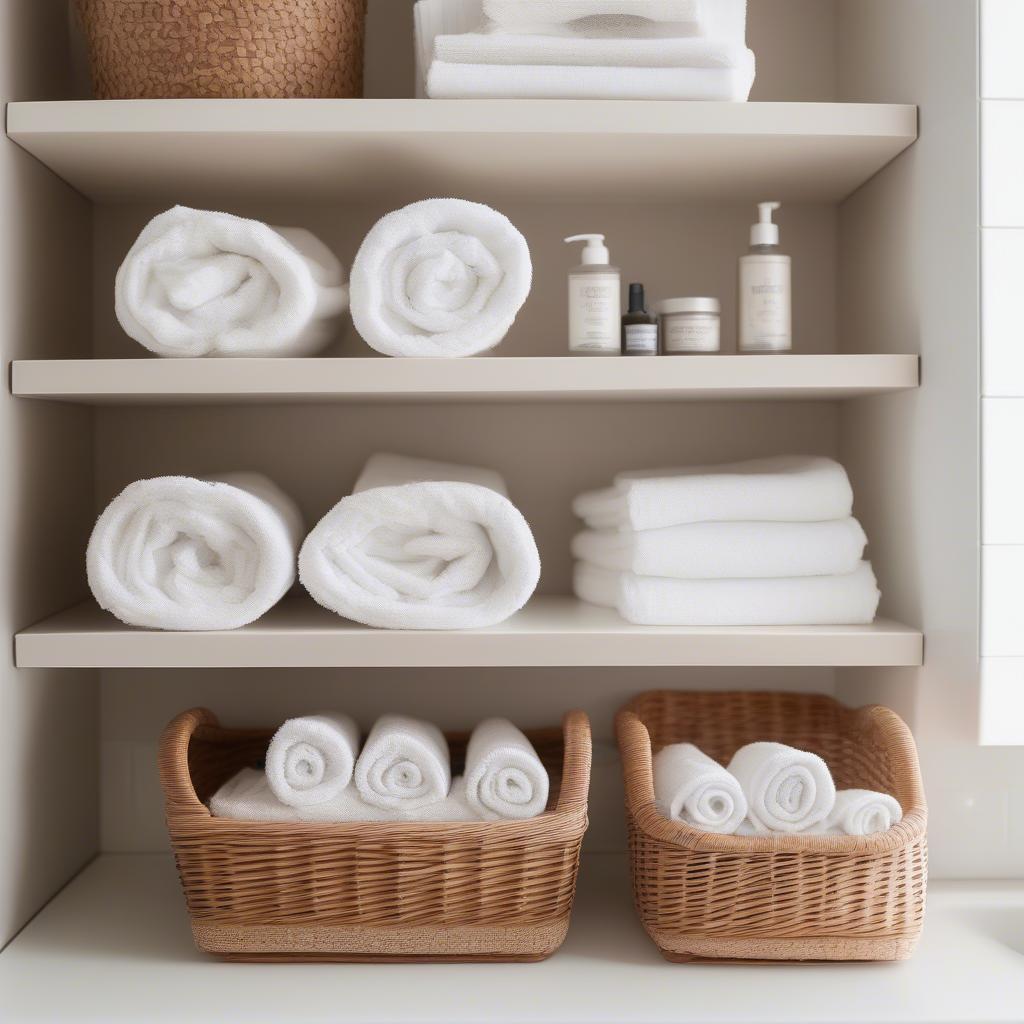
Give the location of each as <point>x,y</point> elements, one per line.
<point>369,891</point>
<point>166,49</point>
<point>778,897</point>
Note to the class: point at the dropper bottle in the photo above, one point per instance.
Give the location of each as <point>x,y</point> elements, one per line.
<point>639,328</point>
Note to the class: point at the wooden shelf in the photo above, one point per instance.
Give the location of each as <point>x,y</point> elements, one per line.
<point>544,150</point>
<point>751,377</point>
<point>550,631</point>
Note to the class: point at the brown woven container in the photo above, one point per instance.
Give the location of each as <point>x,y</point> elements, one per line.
<point>776,897</point>
<point>168,49</point>
<point>372,891</point>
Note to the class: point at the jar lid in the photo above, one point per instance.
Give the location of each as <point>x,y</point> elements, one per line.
<point>688,305</point>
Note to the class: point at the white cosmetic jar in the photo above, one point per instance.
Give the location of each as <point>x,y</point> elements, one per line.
<point>690,325</point>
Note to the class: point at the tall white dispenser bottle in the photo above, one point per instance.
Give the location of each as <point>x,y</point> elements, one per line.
<point>595,301</point>
<point>765,306</point>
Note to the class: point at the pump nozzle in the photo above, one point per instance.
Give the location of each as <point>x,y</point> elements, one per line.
<point>595,250</point>
<point>764,232</point>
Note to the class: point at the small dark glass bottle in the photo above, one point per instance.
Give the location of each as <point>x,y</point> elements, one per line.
<point>639,328</point>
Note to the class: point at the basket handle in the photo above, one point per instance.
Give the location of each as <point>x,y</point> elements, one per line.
<point>635,749</point>
<point>576,761</point>
<point>175,778</point>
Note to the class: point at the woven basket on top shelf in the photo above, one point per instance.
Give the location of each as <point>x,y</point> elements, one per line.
<point>369,891</point>
<point>776,897</point>
<point>169,49</point>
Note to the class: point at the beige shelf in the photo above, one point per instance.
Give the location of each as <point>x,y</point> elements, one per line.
<point>550,631</point>
<point>583,150</point>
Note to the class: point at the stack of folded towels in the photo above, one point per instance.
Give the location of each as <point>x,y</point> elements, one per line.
<point>314,772</point>
<point>588,49</point>
<point>766,787</point>
<point>769,542</point>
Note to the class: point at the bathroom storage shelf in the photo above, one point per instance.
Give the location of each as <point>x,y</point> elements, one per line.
<point>718,377</point>
<point>581,150</point>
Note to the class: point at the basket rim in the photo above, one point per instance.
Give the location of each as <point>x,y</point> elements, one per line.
<point>184,808</point>
<point>637,762</point>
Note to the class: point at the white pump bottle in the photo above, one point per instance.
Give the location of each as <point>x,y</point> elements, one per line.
<point>595,301</point>
<point>765,307</point>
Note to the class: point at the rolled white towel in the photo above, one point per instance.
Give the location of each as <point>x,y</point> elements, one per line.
<point>310,759</point>
<point>787,790</point>
<point>504,776</point>
<point>861,812</point>
<point>693,788</point>
<point>201,283</point>
<point>179,553</point>
<point>444,550</point>
<point>404,764</point>
<point>788,489</point>
<point>439,278</point>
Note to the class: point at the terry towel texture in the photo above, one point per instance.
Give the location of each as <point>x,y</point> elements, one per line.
<point>404,764</point>
<point>860,812</point>
<point>310,759</point>
<point>201,283</point>
<point>444,550</point>
<point>180,553</point>
<point>504,776</point>
<point>439,278</point>
<point>691,787</point>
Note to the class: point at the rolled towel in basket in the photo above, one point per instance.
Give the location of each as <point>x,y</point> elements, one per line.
<point>860,812</point>
<point>439,278</point>
<point>310,759</point>
<point>179,553</point>
<point>201,283</point>
<point>443,549</point>
<point>404,764</point>
<point>790,488</point>
<point>787,790</point>
<point>504,776</point>
<point>693,788</point>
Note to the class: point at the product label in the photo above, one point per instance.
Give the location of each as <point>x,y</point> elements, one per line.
<point>641,338</point>
<point>765,313</point>
<point>594,313</point>
<point>691,334</point>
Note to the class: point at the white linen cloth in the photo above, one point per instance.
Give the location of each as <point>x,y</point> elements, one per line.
<point>787,790</point>
<point>504,776</point>
<point>202,283</point>
<point>310,759</point>
<point>179,553</point>
<point>727,550</point>
<point>789,488</point>
<point>695,789</point>
<point>861,812</point>
<point>404,764</point>
<point>439,278</point>
<point>518,13</point>
<point>443,550</point>
<point>802,601</point>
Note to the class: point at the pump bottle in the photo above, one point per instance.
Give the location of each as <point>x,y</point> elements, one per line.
<point>765,306</point>
<point>595,301</point>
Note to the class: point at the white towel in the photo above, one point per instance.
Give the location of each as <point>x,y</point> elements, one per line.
<point>439,278</point>
<point>787,790</point>
<point>248,797</point>
<point>523,81</point>
<point>860,812</point>
<point>442,551</point>
<point>693,788</point>
<point>504,776</point>
<point>793,488</point>
<point>512,13</point>
<point>178,553</point>
<point>404,764</point>
<point>727,550</point>
<point>802,601</point>
<point>310,759</point>
<point>201,283</point>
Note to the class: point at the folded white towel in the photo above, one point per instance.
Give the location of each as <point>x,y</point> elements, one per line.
<point>860,812</point>
<point>727,550</point>
<point>787,790</point>
<point>435,553</point>
<point>524,81</point>
<point>504,776</point>
<point>310,759</point>
<point>404,764</point>
<point>440,278</point>
<point>693,788</point>
<point>512,13</point>
<point>248,797</point>
<point>802,601</point>
<point>178,553</point>
<point>198,283</point>
<point>791,488</point>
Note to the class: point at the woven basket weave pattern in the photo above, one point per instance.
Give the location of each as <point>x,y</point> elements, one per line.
<point>781,896</point>
<point>168,49</point>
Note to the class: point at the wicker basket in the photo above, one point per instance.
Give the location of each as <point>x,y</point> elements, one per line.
<point>166,49</point>
<point>372,891</point>
<point>777,897</point>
